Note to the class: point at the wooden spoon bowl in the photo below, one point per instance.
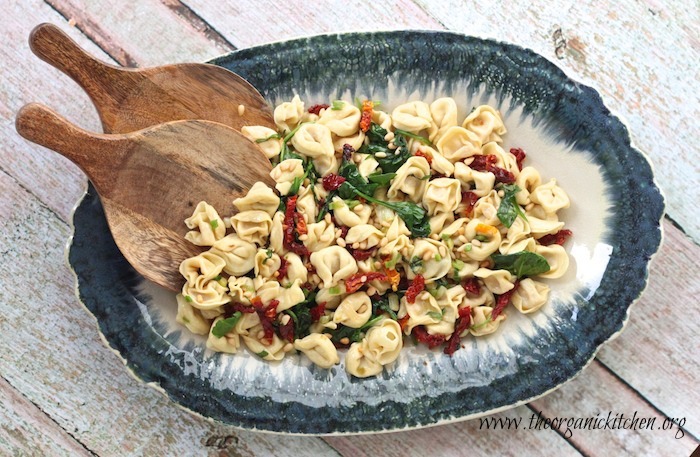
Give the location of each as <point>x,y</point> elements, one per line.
<point>133,99</point>
<point>149,181</point>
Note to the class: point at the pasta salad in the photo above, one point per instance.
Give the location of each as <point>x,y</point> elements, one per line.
<point>381,226</point>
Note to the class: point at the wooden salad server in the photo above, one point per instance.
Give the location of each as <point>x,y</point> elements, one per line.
<point>150,181</point>
<point>132,99</point>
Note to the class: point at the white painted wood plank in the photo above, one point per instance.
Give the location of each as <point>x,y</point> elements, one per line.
<point>248,23</point>
<point>53,355</point>
<point>594,394</point>
<point>24,427</point>
<point>460,439</point>
<point>659,351</point>
<point>640,55</point>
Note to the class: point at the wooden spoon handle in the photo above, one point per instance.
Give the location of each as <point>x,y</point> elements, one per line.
<point>42,126</point>
<point>53,46</point>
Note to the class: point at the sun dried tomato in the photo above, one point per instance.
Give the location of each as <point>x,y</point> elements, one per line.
<point>394,278</point>
<point>472,285</point>
<point>282,270</point>
<point>332,182</point>
<point>462,323</point>
<point>344,229</point>
<point>316,109</point>
<point>470,198</point>
<point>366,117</point>
<point>347,152</point>
<point>403,322</point>
<point>287,331</point>
<point>354,282</point>
<point>233,307</point>
<point>301,224</point>
<point>417,286</point>
<point>271,309</point>
<point>426,155</point>
<point>503,300</point>
<point>488,163</point>
<point>424,337</point>
<point>557,238</point>
<point>291,222</point>
<point>266,315</point>
<point>362,254</point>
<point>318,311</point>
<point>519,156</point>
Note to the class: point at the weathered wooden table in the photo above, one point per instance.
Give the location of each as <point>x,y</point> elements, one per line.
<point>62,392</point>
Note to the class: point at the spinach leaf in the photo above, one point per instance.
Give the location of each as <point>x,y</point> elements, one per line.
<point>509,209</point>
<point>382,306</point>
<point>524,263</point>
<point>419,138</point>
<point>224,326</point>
<point>392,160</point>
<point>383,179</point>
<point>349,171</point>
<point>301,314</point>
<point>414,216</point>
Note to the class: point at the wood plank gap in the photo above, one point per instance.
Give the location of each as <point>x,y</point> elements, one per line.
<point>29,400</point>
<point>421,7</point>
<point>559,432</point>
<point>92,31</point>
<point>642,397</point>
<point>680,227</point>
<point>37,197</point>
<point>198,23</point>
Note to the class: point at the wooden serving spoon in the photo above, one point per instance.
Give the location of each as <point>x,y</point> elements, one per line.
<point>132,99</point>
<point>150,181</point>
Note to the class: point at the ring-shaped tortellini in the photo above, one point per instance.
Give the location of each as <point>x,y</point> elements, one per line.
<point>497,281</point>
<point>266,349</point>
<point>191,317</point>
<point>412,117</point>
<point>483,298</point>
<point>486,123</point>
<point>319,235</point>
<point>439,221</point>
<point>350,217</point>
<point>482,323</point>
<point>479,182</point>
<point>287,115</point>
<point>438,163</point>
<point>359,364</point>
<point>314,140</point>
<point>207,265</point>
<point>319,349</point>
<point>550,197</point>
<point>528,179</point>
<point>241,289</point>
<point>206,294</point>
<point>442,195</point>
<point>557,259</point>
<point>325,165</point>
<point>238,255</point>
<point>458,143</point>
<point>277,234</point>
<point>341,122</point>
<point>382,119</point>
<point>267,262</point>
<point>367,165</point>
<point>306,204</point>
<point>488,242</point>
<point>530,296</point>
<point>252,226</point>
<point>209,226</point>
<point>435,259</point>
<point>354,311</point>
<point>423,311</point>
<point>331,296</point>
<point>518,232</point>
<point>229,343</point>
<point>366,235</point>
<point>448,301</point>
<point>333,264</point>
<point>486,208</point>
<point>384,341</point>
<point>296,270</point>
<point>284,173</point>
<point>444,114</point>
<point>259,197</point>
<point>411,179</point>
<point>354,141</point>
<point>541,227</point>
<point>286,296</point>
<point>272,144</point>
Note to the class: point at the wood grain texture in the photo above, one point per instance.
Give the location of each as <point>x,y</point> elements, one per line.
<point>133,99</point>
<point>658,351</point>
<point>63,366</point>
<point>23,426</point>
<point>459,439</point>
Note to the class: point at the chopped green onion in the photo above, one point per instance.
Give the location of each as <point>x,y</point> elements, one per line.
<point>468,247</point>
<point>274,136</point>
<point>262,354</point>
<point>188,299</point>
<point>337,105</point>
<point>438,257</point>
<point>482,237</point>
<point>457,265</point>
<point>435,315</point>
<point>425,178</point>
<point>185,320</point>
<point>335,290</point>
<point>214,224</point>
<point>268,253</point>
<point>352,203</point>
<point>394,260</point>
<point>478,326</point>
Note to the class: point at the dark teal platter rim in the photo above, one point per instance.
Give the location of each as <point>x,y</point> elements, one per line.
<point>570,112</point>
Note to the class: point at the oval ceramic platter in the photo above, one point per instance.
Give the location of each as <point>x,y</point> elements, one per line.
<point>567,133</point>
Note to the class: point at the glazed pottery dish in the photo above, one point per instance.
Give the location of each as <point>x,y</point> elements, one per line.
<point>568,134</point>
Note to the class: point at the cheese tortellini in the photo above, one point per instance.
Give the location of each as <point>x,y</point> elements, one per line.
<point>381,225</point>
